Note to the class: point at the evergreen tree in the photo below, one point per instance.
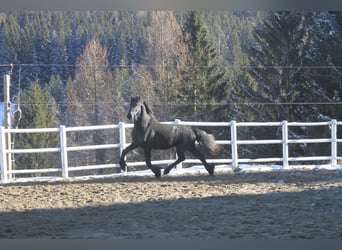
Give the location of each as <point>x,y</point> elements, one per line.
<point>279,63</point>
<point>285,62</point>
<point>38,111</point>
<point>326,60</point>
<point>57,89</point>
<point>38,107</point>
<point>205,79</point>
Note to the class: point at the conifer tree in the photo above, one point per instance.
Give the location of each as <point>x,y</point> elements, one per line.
<point>205,78</point>
<point>38,111</point>
<point>57,89</point>
<point>279,63</point>
<point>283,62</point>
<point>326,60</point>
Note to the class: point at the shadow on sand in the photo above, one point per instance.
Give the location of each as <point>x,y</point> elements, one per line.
<point>315,213</point>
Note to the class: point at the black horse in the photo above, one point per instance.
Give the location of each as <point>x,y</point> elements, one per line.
<point>149,134</point>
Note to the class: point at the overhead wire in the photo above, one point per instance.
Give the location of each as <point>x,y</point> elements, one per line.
<point>20,65</point>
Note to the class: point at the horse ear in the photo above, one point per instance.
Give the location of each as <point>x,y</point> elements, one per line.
<point>148,108</point>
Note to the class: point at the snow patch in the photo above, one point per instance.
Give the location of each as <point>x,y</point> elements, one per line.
<point>196,169</point>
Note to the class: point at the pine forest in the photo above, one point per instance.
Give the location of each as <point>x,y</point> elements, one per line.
<point>81,68</point>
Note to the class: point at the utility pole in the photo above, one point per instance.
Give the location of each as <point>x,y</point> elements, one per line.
<point>7,120</point>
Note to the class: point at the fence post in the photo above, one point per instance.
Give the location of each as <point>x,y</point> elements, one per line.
<point>285,138</point>
<point>122,131</point>
<point>233,132</point>
<point>333,126</point>
<point>179,165</point>
<point>64,151</point>
<point>3,158</point>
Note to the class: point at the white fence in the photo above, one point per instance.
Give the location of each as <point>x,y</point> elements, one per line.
<point>231,160</point>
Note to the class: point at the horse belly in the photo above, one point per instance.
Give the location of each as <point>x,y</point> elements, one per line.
<point>165,138</point>
<point>164,142</point>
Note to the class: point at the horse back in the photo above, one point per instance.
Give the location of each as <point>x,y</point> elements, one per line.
<point>163,136</point>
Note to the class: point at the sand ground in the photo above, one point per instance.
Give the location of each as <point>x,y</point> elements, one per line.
<point>256,205</point>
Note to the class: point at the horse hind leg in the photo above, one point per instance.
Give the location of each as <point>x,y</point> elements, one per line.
<point>210,167</point>
<point>180,158</point>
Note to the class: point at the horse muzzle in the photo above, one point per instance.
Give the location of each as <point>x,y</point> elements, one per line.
<point>134,114</point>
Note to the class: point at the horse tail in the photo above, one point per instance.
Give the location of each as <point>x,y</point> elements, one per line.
<point>207,140</point>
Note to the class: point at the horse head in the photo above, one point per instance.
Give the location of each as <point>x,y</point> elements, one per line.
<point>138,108</point>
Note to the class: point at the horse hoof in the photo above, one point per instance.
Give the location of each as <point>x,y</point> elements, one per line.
<point>166,172</point>
<point>123,168</point>
<point>157,173</point>
<point>210,169</point>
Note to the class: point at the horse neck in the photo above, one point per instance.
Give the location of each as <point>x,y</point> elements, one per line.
<point>146,120</point>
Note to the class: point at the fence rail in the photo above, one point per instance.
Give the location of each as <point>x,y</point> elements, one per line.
<point>231,160</point>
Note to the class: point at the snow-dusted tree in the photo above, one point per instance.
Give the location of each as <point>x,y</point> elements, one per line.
<point>205,80</point>
<point>290,73</point>
<point>326,60</point>
<point>281,62</point>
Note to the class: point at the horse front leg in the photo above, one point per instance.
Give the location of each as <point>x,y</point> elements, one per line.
<point>128,149</point>
<point>154,169</point>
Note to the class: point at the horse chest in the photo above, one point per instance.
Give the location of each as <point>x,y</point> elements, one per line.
<point>138,136</point>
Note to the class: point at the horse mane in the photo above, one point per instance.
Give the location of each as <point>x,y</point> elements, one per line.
<point>149,109</point>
